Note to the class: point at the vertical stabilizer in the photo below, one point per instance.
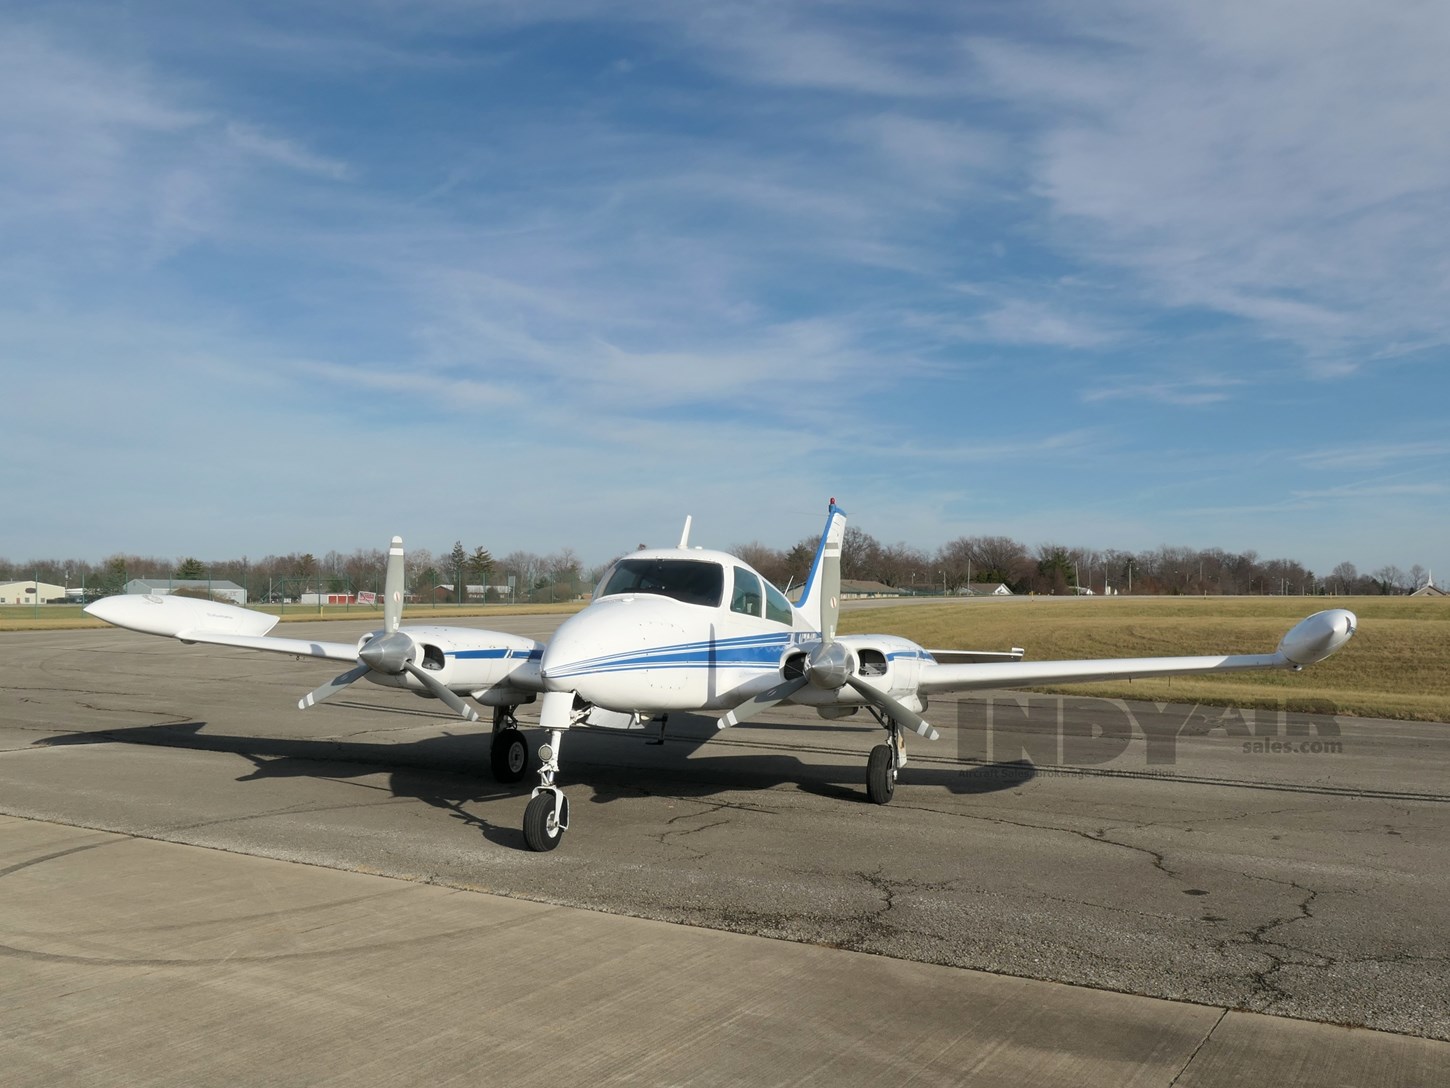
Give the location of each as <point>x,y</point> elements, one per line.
<point>820,600</point>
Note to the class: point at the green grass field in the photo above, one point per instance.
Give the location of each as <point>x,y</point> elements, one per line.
<point>1396,666</point>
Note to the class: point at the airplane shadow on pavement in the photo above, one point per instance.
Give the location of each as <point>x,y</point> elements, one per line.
<point>450,770</point>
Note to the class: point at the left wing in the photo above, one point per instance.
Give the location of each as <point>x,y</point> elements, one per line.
<point>1309,641</point>
<point>827,677</point>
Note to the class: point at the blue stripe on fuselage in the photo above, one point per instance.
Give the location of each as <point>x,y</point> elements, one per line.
<point>751,651</point>
<point>500,654</point>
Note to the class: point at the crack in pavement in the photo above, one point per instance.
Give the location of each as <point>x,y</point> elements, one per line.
<point>707,808</point>
<point>1266,991</point>
<point>874,929</point>
<point>1098,836</point>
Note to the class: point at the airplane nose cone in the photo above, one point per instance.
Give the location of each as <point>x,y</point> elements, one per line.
<point>579,649</point>
<point>617,651</point>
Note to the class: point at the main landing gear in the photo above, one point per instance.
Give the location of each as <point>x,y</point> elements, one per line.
<point>885,761</point>
<point>509,752</point>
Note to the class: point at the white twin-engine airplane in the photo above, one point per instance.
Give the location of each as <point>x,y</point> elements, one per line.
<point>676,629</point>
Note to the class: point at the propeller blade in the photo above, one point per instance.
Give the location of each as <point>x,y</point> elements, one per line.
<point>393,587</point>
<point>897,710</point>
<point>444,694</point>
<point>331,688</point>
<point>762,702</point>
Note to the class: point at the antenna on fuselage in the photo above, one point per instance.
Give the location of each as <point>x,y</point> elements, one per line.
<point>685,533</point>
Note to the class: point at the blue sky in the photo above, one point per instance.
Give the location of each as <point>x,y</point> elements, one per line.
<point>304,275</point>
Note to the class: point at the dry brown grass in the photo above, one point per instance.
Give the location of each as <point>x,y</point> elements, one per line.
<point>1397,665</point>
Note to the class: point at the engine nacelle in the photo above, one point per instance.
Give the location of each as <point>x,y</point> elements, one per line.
<point>481,663</point>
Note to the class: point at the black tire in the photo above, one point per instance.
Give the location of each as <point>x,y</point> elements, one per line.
<point>509,756</point>
<point>881,774</point>
<point>541,832</point>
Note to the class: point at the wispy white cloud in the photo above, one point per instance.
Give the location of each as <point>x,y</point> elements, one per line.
<point>284,152</point>
<point>931,155</point>
<point>789,45</point>
<point>936,253</point>
<point>1356,456</point>
<point>1373,491</point>
<point>1266,163</point>
<point>1194,391</point>
<point>82,142</point>
<point>1023,321</point>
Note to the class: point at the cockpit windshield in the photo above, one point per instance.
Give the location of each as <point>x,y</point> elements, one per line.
<point>692,581</point>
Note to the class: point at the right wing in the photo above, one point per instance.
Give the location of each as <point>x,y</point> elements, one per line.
<point>189,619</point>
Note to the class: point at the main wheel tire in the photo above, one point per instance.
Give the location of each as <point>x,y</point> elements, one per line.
<point>541,831</point>
<point>881,774</point>
<point>509,756</point>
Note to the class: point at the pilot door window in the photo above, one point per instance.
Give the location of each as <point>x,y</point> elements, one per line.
<point>747,598</point>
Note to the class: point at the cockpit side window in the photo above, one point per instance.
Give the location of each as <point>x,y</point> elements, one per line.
<point>776,606</point>
<point>691,581</point>
<point>747,598</point>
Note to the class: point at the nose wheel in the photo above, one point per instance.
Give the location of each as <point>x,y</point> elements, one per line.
<point>545,820</point>
<point>547,816</point>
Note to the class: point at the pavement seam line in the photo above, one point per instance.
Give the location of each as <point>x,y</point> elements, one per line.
<point>1201,1044</point>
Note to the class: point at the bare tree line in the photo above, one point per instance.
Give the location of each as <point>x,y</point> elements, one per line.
<point>1059,568</point>
<point>447,575</point>
<point>982,560</point>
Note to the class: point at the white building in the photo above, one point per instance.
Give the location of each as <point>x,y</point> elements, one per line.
<point>476,592</point>
<point>985,589</point>
<point>1429,589</point>
<point>30,592</point>
<point>315,599</point>
<point>218,587</point>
